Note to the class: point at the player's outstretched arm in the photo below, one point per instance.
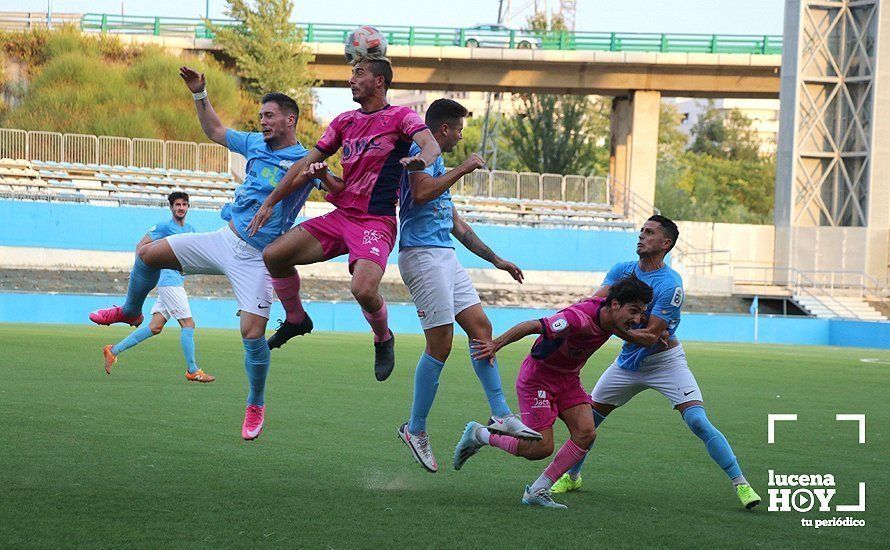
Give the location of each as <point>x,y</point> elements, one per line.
<point>465,234</point>
<point>486,349</point>
<point>429,152</point>
<point>297,176</point>
<point>425,187</point>
<point>655,332</point>
<point>210,122</point>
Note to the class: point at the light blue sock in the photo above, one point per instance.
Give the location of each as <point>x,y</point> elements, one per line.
<point>575,470</point>
<point>187,339</point>
<point>426,382</point>
<point>256,364</point>
<point>142,280</point>
<point>490,377</point>
<point>715,443</point>
<point>134,338</point>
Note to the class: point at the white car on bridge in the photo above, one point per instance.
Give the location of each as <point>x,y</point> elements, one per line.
<point>496,36</point>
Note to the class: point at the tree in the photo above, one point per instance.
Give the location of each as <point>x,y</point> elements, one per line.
<point>267,49</point>
<point>721,177</point>
<point>563,134</point>
<point>727,136</point>
<point>559,134</point>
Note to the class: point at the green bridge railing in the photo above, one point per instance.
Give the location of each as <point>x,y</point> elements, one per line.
<point>440,36</point>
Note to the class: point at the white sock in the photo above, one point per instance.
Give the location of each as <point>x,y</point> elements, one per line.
<point>483,436</point>
<point>543,482</point>
<point>736,481</point>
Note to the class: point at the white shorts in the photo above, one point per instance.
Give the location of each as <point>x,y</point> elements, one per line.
<point>665,372</point>
<point>172,302</point>
<point>222,252</point>
<point>439,285</point>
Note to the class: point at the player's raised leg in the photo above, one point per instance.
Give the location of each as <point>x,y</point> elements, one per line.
<point>150,259</point>
<point>296,247</point>
<point>296,321</point>
<point>693,413</point>
<point>154,327</point>
<point>477,326</point>
<point>366,276</point>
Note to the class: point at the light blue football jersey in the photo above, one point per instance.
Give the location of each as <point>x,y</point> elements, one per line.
<point>169,277</point>
<point>667,299</point>
<point>427,224</point>
<point>264,171</point>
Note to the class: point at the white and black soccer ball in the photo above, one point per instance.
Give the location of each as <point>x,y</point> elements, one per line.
<point>365,42</point>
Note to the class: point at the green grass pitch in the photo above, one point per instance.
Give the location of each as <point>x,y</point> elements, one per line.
<point>143,458</point>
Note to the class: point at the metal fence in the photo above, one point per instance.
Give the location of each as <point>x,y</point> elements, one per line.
<point>210,157</point>
<point>113,151</point>
<point>501,184</point>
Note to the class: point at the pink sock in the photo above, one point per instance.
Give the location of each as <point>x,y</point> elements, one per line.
<point>288,291</point>
<point>507,443</point>
<point>567,456</point>
<point>378,322</point>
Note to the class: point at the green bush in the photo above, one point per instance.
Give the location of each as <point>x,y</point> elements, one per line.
<point>97,85</point>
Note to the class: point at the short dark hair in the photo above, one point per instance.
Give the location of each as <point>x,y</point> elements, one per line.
<point>176,195</point>
<point>380,67</point>
<point>629,289</point>
<point>284,102</point>
<point>668,227</point>
<point>444,111</point>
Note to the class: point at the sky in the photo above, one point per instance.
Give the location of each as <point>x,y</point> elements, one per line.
<point>662,16</point>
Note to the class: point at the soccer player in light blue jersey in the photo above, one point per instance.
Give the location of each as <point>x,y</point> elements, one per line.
<point>172,300</point>
<point>653,358</point>
<point>231,251</point>
<point>439,285</point>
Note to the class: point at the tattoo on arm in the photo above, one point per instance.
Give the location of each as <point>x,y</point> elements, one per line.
<point>204,104</point>
<point>475,245</point>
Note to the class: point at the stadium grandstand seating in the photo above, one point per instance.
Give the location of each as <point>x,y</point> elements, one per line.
<point>53,166</point>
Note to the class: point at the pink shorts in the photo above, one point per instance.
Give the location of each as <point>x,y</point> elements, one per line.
<point>362,236</point>
<point>544,393</point>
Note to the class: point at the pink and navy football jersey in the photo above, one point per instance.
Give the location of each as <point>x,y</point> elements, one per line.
<point>373,143</point>
<point>570,336</point>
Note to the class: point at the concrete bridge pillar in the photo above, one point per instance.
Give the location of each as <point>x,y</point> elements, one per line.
<point>634,151</point>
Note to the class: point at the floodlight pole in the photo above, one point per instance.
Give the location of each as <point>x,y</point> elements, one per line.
<point>488,99</point>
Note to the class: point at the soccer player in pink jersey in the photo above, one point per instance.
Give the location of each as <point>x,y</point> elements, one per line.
<point>375,140</point>
<point>549,385</point>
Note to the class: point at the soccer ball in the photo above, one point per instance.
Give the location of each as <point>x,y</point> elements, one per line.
<point>365,42</point>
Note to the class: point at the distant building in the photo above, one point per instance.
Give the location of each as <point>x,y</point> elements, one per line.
<point>763,114</point>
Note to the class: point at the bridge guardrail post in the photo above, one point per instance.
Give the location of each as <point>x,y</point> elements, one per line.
<point>103,25</point>
<point>512,39</point>
<point>765,45</point>
<point>713,47</point>
<point>613,42</point>
<point>157,26</point>
<point>410,36</point>
<point>664,44</point>
<point>310,33</point>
